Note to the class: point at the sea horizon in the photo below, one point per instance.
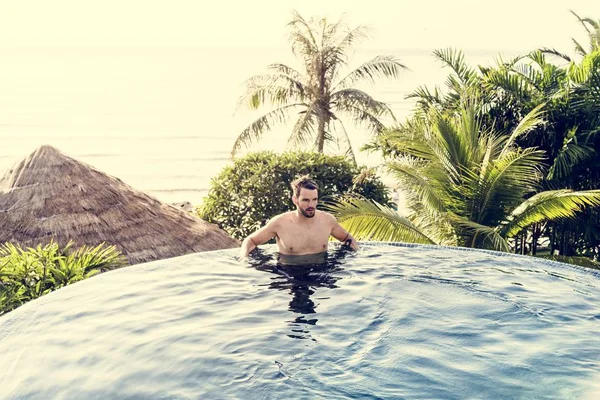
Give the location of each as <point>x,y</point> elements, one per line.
<point>164,119</point>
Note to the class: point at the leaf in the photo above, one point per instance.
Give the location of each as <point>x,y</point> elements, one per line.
<point>549,205</point>
<point>368,220</point>
<point>376,68</point>
<point>480,236</point>
<point>456,60</point>
<point>256,129</point>
<point>529,122</point>
<point>570,155</point>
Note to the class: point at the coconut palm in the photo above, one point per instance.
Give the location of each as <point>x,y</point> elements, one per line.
<point>465,185</point>
<point>512,88</point>
<point>318,94</point>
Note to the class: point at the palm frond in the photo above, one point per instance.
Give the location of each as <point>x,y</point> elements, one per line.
<point>302,37</point>
<point>351,37</point>
<point>437,227</point>
<point>579,48</point>
<point>581,21</point>
<point>510,177</point>
<point>567,158</point>
<point>330,31</point>
<point>360,116</point>
<point>287,71</point>
<point>555,52</point>
<point>456,61</point>
<point>345,142</point>
<point>571,154</point>
<point>103,258</point>
<point>535,78</point>
<point>520,168</point>
<point>368,220</point>
<point>256,129</point>
<point>403,144</point>
<point>449,146</point>
<point>478,235</point>
<point>276,89</point>
<point>359,99</point>
<point>470,130</point>
<point>378,67</point>
<point>529,122</point>
<point>550,205</point>
<point>511,83</point>
<point>425,98</point>
<point>304,128</point>
<point>413,179</point>
<point>335,53</point>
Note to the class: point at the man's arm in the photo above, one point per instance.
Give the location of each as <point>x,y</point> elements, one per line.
<point>342,235</point>
<point>259,237</point>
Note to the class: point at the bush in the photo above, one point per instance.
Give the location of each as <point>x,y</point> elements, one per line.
<point>243,197</point>
<point>26,274</point>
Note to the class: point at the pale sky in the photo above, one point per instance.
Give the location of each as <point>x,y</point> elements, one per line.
<point>93,78</point>
<point>465,24</point>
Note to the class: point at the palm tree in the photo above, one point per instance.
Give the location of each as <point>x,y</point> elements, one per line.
<point>316,93</point>
<point>515,87</point>
<point>465,185</point>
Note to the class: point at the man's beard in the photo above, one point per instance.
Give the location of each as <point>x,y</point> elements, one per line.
<point>306,214</point>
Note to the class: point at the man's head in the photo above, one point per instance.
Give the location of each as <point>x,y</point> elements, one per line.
<point>305,195</point>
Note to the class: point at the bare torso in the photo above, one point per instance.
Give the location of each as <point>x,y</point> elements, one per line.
<point>297,235</point>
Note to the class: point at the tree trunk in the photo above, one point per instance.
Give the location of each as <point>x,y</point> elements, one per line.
<point>321,135</point>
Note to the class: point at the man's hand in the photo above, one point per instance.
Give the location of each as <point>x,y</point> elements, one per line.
<point>259,237</point>
<point>351,242</point>
<point>247,246</point>
<point>242,259</point>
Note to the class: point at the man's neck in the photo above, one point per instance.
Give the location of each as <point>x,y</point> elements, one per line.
<point>303,219</point>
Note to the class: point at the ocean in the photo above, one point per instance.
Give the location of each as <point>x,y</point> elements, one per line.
<point>164,119</point>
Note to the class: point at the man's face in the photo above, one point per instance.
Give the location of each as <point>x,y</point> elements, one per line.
<point>306,202</point>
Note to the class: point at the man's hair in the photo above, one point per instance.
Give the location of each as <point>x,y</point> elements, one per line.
<point>303,182</point>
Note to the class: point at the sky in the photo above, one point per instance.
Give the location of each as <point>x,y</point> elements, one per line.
<point>93,77</point>
<point>408,24</point>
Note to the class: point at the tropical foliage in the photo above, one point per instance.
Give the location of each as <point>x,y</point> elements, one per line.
<point>465,185</point>
<point>244,196</point>
<point>552,171</point>
<point>28,273</point>
<point>319,95</point>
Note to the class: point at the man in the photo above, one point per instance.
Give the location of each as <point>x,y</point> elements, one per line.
<point>303,232</point>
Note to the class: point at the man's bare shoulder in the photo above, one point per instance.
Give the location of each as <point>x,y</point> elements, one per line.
<point>326,216</point>
<point>278,219</point>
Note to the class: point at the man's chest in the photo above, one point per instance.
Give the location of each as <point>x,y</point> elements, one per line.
<point>300,239</point>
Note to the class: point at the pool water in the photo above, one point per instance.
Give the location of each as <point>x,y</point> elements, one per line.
<point>389,321</point>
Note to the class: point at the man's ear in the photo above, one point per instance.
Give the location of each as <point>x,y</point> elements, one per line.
<point>295,200</point>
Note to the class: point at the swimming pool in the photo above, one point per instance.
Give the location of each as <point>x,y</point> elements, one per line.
<point>391,321</point>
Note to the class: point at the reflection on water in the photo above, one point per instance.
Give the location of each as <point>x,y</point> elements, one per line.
<point>301,276</point>
<point>384,322</point>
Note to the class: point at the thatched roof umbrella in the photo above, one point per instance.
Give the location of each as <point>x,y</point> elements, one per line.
<point>51,196</point>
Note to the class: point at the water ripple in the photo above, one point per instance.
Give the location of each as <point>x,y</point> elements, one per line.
<point>388,322</point>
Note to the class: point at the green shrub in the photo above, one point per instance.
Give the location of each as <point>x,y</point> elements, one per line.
<point>243,197</point>
<point>26,274</point>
